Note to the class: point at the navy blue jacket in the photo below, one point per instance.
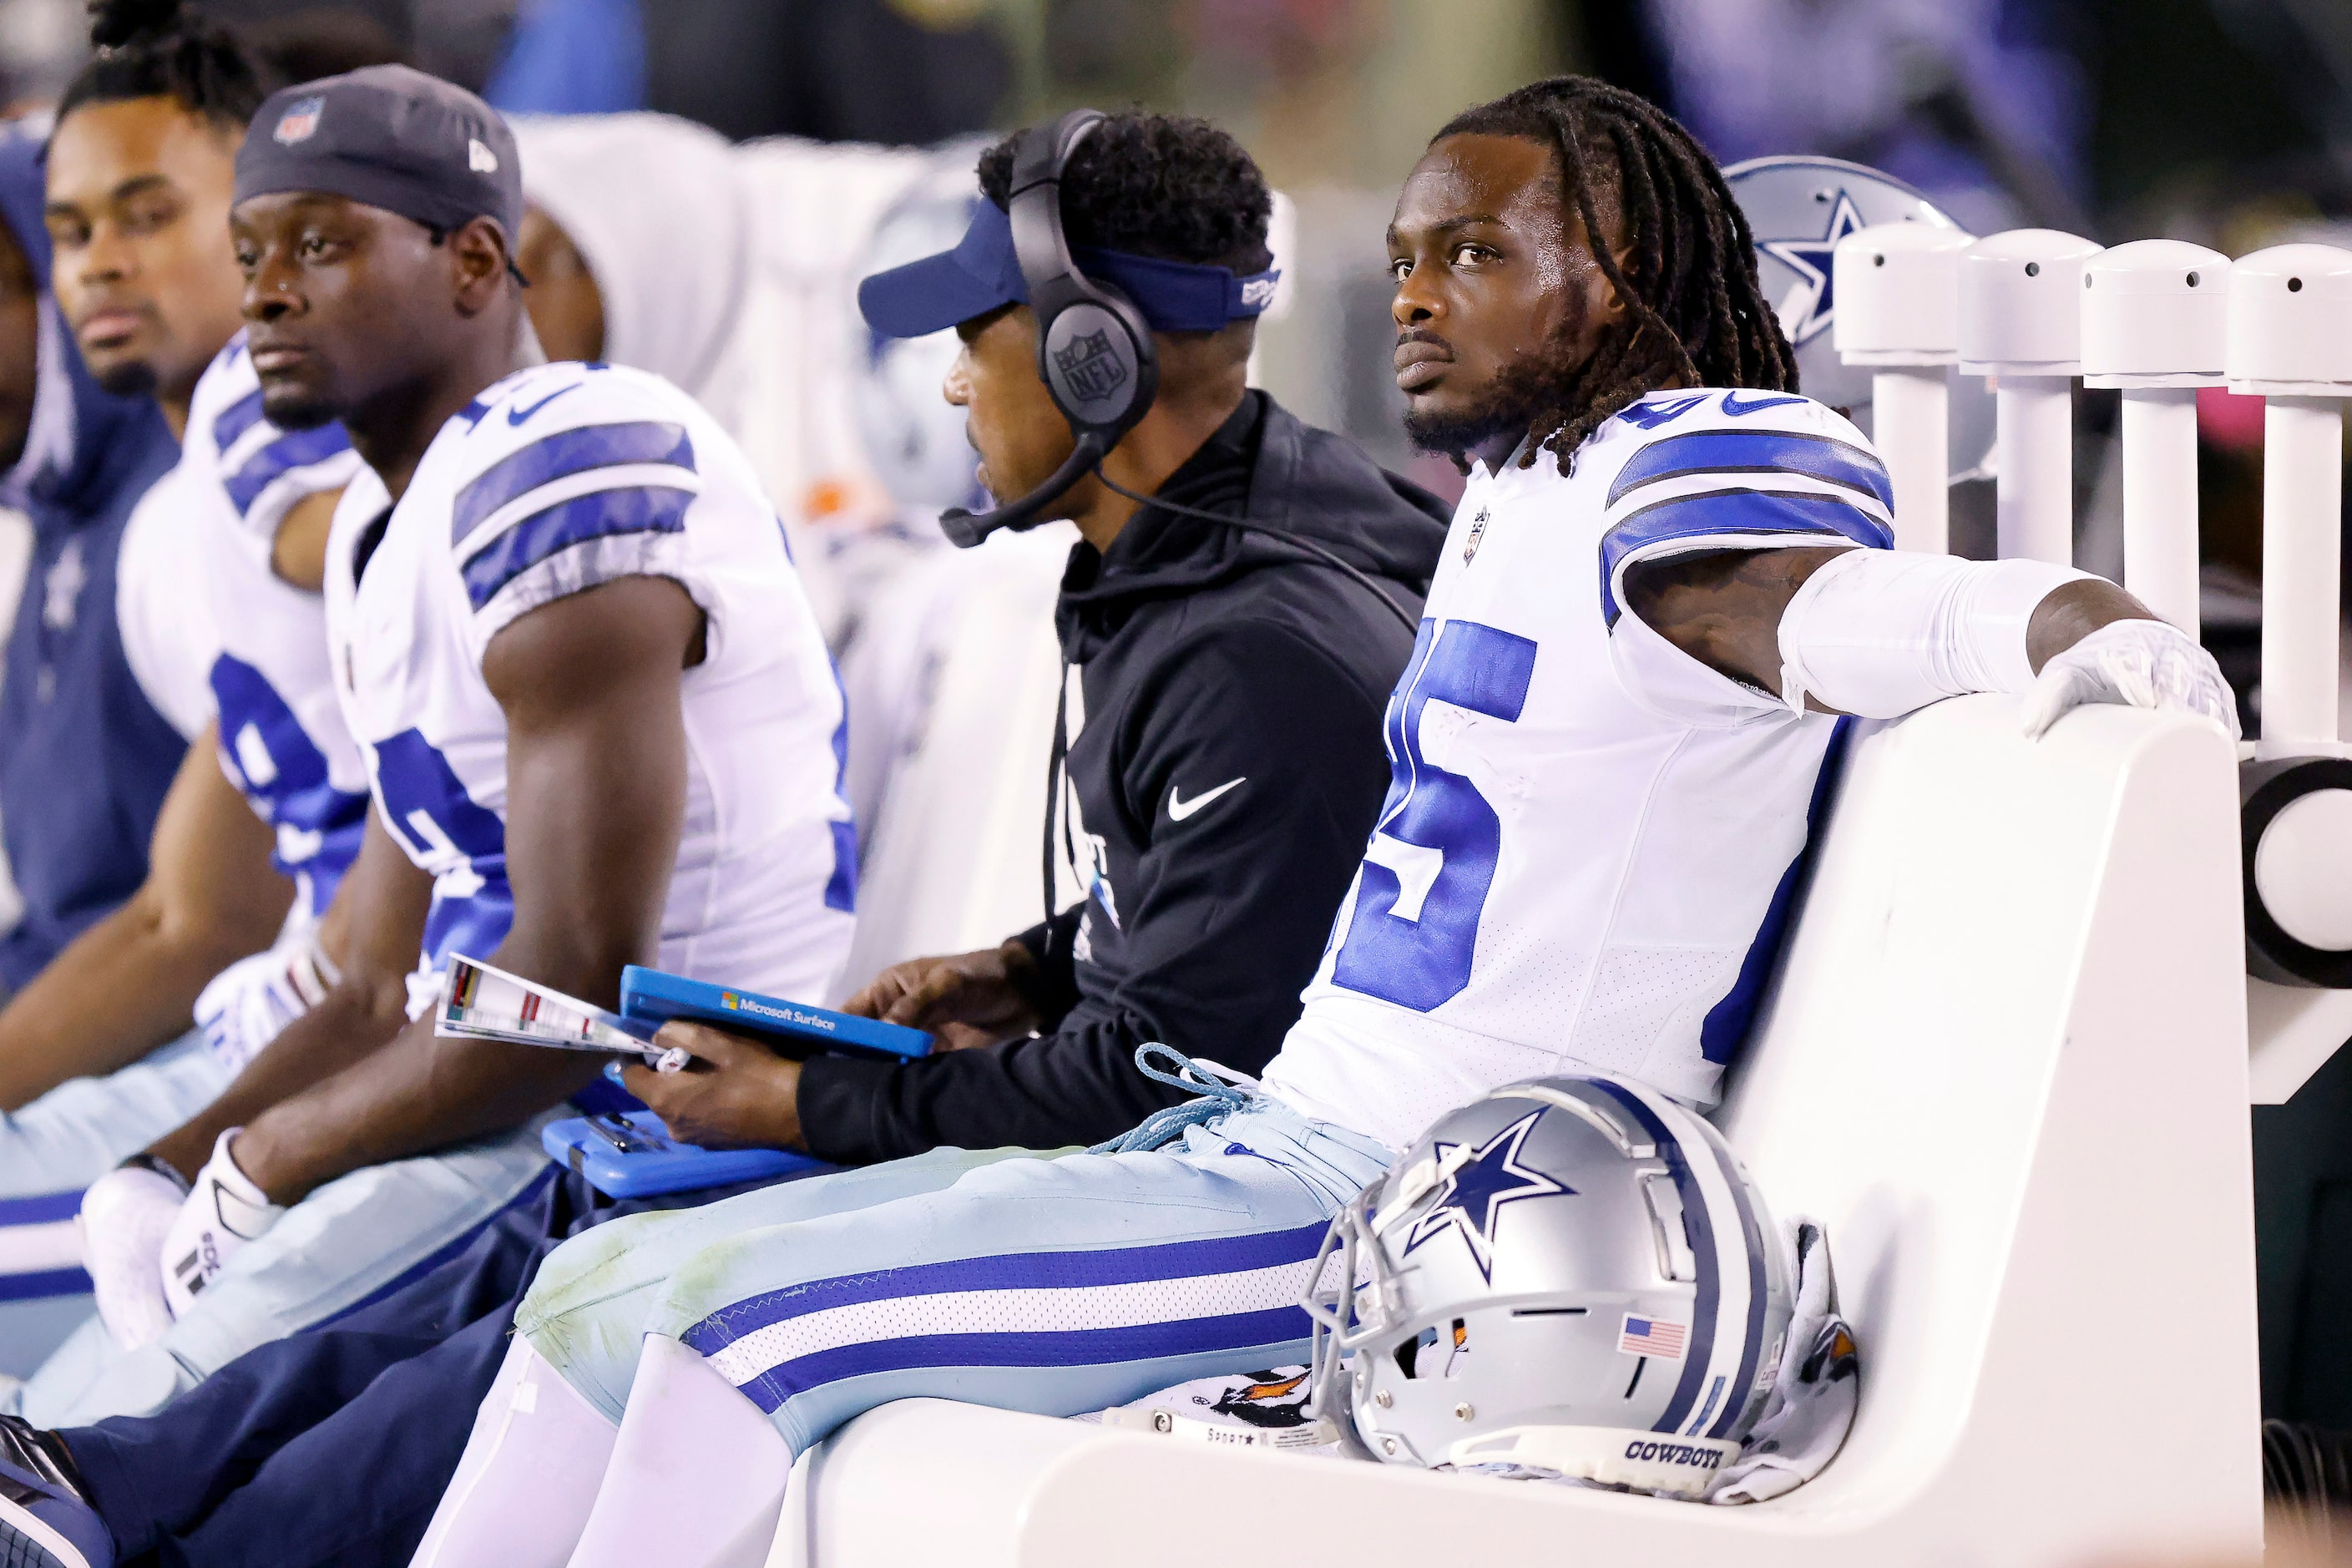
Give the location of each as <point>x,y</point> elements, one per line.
<point>85,758</point>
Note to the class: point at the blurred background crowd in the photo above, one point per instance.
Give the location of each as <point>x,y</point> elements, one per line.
<point>2226,122</point>
<point>730,267</point>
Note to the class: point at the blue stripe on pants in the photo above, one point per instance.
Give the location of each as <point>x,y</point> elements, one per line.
<point>1053,1286</point>
<point>1230,1332</point>
<point>1012,1271</point>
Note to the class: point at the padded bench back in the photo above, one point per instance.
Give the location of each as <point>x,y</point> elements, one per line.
<point>957,669</point>
<point>2004,1063</point>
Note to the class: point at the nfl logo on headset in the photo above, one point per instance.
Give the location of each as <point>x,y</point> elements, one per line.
<point>1089,367</point>
<point>300,121</point>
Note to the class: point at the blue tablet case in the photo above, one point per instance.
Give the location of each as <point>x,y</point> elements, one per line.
<point>794,1028</point>
<point>632,1155</point>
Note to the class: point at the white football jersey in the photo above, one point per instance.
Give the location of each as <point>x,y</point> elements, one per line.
<point>212,631</point>
<point>169,636</point>
<point>556,479</point>
<point>1590,837</point>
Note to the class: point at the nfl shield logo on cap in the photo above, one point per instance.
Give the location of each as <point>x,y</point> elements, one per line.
<point>300,121</point>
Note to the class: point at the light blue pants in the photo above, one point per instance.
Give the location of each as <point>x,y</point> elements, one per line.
<point>355,1239</point>
<point>51,1149</point>
<point>1052,1285</point>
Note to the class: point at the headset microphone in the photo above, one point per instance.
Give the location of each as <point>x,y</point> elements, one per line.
<point>966,528</point>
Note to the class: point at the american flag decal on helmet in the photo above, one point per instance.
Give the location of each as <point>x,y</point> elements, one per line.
<point>1648,1336</point>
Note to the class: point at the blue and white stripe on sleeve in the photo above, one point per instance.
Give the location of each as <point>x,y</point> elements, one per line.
<point>265,470</point>
<point>282,455</point>
<point>1741,490</point>
<point>230,425</point>
<point>581,502</point>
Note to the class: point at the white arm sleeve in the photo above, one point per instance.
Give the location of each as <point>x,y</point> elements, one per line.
<point>1878,633</point>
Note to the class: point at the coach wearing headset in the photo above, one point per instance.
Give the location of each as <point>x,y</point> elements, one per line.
<point>1222,729</point>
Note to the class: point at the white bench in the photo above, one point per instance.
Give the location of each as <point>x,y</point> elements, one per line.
<point>960,659</point>
<point>2005,1063</point>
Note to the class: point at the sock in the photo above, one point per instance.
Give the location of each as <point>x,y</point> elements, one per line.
<point>697,1478</point>
<point>528,1478</point>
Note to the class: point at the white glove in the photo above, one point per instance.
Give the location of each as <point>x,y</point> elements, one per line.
<point>125,1215</point>
<point>224,1211</point>
<point>2141,664</point>
<point>251,1001</point>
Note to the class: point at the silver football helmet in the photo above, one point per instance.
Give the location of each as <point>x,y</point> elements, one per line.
<point>1798,208</point>
<point>1502,1293</point>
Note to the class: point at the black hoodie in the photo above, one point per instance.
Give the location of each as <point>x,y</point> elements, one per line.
<point>1227,764</point>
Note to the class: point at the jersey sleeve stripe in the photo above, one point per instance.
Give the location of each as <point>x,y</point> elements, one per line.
<point>572,451</point>
<point>1729,520</point>
<point>1755,452</point>
<point>597,515</point>
<point>235,420</point>
<point>281,458</point>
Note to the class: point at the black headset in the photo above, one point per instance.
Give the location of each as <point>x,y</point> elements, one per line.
<point>1094,347</point>
<point>1095,355</point>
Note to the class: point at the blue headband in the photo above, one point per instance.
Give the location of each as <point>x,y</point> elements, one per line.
<point>983,274</point>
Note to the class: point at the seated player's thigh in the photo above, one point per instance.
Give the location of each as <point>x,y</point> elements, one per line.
<point>586,1311</point>
<point>1045,1286</point>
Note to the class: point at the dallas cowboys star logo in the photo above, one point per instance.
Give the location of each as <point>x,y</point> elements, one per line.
<point>1807,311</point>
<point>1470,1200</point>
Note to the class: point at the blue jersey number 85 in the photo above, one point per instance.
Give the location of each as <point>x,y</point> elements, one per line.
<point>1432,861</point>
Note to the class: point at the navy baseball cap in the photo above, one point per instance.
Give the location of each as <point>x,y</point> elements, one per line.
<point>983,273</point>
<point>393,138</point>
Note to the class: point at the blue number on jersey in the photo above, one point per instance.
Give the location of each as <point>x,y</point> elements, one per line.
<point>284,775</point>
<point>1420,957</point>
<point>446,832</point>
<point>841,888</point>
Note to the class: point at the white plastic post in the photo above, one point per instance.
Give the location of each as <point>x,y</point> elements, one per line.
<point>1899,289</point>
<point>2020,323</point>
<point>2155,319</point>
<point>2303,509</point>
<point>1911,426</point>
<point>2290,342</point>
<point>2033,492</point>
<point>2159,460</point>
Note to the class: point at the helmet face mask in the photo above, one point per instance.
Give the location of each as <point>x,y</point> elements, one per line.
<point>1572,1274</point>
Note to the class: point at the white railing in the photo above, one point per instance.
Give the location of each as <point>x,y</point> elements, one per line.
<point>2155,320</point>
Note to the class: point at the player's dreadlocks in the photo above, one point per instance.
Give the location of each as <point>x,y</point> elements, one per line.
<point>151,48</point>
<point>1695,311</point>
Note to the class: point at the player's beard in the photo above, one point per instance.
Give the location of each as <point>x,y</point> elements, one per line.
<point>1502,411</point>
<point>1494,421</point>
<point>132,378</point>
<point>293,409</point>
